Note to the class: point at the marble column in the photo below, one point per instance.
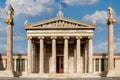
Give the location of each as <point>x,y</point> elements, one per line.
<point>78,54</point>
<point>53,54</point>
<point>26,66</point>
<point>99,65</point>
<point>94,65</point>
<point>110,23</point>
<point>15,65</point>
<point>20,65</point>
<point>33,57</point>
<point>86,57</point>
<point>29,54</point>
<point>90,55</point>
<point>75,58</point>
<point>41,55</point>
<point>66,54</point>
<point>10,23</point>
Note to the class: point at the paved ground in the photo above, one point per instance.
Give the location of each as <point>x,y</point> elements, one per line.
<point>60,79</point>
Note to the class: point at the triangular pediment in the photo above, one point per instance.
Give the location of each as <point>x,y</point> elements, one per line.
<point>59,22</point>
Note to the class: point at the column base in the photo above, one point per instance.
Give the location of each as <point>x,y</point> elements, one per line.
<point>6,73</point>
<point>113,73</point>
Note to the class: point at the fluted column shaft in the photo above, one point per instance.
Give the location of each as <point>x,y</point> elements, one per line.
<point>90,50</point>
<point>53,54</point>
<point>29,55</point>
<point>9,47</point>
<point>110,47</point>
<point>86,57</point>
<point>94,65</point>
<point>41,55</point>
<point>78,53</point>
<point>66,54</point>
<point>15,65</point>
<point>99,65</point>
<point>26,66</point>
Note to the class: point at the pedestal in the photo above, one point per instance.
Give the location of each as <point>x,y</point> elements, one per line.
<point>6,73</point>
<point>113,73</point>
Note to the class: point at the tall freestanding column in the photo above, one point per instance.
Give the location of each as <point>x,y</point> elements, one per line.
<point>111,20</point>
<point>10,22</point>
<point>66,55</point>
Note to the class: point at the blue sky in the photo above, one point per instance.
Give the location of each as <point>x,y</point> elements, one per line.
<point>36,10</point>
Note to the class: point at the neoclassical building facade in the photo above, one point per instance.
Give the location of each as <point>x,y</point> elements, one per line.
<point>60,44</point>
<point>59,47</point>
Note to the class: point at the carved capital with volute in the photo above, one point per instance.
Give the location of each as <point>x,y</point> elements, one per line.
<point>78,37</point>
<point>111,21</point>
<point>53,37</point>
<point>41,37</point>
<point>66,37</point>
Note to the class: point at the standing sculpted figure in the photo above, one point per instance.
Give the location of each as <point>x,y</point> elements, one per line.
<point>110,11</point>
<point>10,14</point>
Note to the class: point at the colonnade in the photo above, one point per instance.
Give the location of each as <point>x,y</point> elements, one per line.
<point>66,40</point>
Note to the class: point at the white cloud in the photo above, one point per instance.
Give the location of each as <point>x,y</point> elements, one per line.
<point>29,7</point>
<point>2,13</point>
<point>19,49</point>
<point>2,28</point>
<point>80,2</point>
<point>102,46</point>
<point>99,16</point>
<point>2,47</point>
<point>98,47</point>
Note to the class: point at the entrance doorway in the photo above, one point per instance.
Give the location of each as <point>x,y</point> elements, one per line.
<point>59,64</point>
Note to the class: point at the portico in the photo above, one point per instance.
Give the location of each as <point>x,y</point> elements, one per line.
<point>60,45</point>
<point>71,49</point>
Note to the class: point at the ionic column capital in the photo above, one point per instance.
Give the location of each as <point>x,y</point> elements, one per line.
<point>78,37</point>
<point>29,37</point>
<point>53,37</point>
<point>66,37</point>
<point>41,37</point>
<point>90,37</point>
<point>111,21</point>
